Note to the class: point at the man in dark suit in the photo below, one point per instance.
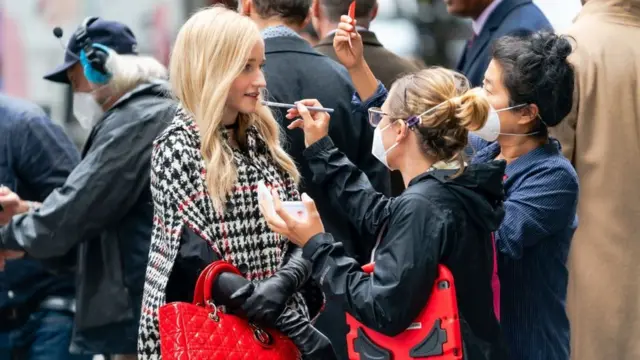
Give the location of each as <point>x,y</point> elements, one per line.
<point>385,65</point>
<point>295,71</point>
<point>491,20</point>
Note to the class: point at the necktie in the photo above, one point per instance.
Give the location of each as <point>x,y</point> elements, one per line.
<point>470,42</point>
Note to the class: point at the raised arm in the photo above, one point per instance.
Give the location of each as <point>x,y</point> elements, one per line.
<point>345,183</point>
<point>348,46</point>
<point>99,191</point>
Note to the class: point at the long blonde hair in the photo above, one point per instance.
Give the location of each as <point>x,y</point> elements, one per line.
<point>210,51</point>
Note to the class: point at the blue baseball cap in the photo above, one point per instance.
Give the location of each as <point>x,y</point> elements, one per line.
<point>111,34</point>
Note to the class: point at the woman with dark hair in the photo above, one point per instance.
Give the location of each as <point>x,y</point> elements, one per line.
<point>529,84</point>
<point>530,76</point>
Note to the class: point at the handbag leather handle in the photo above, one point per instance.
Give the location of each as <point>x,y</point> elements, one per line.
<point>198,292</point>
<point>218,268</point>
<point>202,293</point>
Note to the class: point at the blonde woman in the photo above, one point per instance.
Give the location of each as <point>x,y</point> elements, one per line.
<point>205,171</point>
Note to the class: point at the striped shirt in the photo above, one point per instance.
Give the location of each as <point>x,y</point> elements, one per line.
<point>541,189</point>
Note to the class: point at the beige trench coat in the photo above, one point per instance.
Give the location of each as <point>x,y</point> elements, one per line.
<point>602,138</point>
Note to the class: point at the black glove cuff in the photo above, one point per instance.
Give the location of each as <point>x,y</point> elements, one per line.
<point>296,269</point>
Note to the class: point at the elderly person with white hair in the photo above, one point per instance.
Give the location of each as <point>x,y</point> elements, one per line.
<point>104,208</point>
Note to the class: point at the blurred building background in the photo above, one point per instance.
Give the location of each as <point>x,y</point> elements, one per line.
<point>411,28</point>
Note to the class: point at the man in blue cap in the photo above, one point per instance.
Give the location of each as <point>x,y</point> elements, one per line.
<point>104,207</point>
<point>112,35</point>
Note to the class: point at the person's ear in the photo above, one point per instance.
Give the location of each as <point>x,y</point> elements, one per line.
<point>401,129</point>
<point>374,12</point>
<point>246,7</point>
<point>529,114</point>
<point>315,9</point>
<point>306,21</point>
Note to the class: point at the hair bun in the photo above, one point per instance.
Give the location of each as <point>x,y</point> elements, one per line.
<point>552,47</point>
<point>561,47</point>
<point>472,110</point>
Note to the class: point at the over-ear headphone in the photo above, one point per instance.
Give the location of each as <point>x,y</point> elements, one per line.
<point>93,56</point>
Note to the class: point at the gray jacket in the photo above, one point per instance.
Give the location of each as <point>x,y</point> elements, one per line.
<point>104,208</point>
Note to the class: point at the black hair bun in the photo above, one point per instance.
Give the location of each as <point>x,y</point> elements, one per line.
<point>553,47</point>
<point>561,47</point>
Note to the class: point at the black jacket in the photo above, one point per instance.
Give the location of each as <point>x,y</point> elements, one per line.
<point>105,208</point>
<point>295,71</point>
<point>437,220</point>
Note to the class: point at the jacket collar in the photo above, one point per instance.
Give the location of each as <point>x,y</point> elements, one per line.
<point>538,154</point>
<point>160,87</point>
<point>288,44</point>
<point>369,38</point>
<point>624,12</point>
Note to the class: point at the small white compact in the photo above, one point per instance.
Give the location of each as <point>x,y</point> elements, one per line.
<point>265,199</point>
<point>293,208</point>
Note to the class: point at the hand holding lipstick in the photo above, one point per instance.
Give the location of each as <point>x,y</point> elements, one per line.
<point>352,15</point>
<point>347,42</point>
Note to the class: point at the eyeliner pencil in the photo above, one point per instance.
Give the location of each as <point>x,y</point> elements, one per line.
<point>293,106</point>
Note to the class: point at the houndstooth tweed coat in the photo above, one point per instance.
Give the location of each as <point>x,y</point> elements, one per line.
<point>238,234</point>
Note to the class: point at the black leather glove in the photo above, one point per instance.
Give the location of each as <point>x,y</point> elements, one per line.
<point>311,343</point>
<point>266,300</point>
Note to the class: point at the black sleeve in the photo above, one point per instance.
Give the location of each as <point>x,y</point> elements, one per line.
<point>406,263</point>
<point>194,255</point>
<point>348,186</point>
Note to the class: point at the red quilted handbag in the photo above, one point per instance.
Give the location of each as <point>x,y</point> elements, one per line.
<point>203,331</point>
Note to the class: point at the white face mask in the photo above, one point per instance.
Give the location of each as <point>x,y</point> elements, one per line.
<point>378,149</point>
<point>491,129</point>
<point>86,109</point>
